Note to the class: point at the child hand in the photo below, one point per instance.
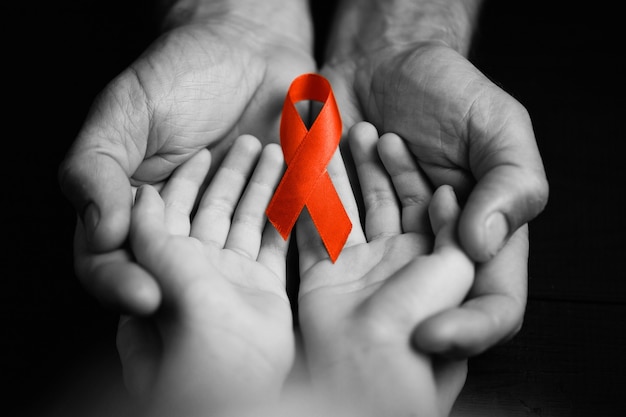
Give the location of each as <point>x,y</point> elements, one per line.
<point>357,315</point>
<point>225,326</point>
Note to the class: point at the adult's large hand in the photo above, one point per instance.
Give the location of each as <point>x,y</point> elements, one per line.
<point>222,68</point>
<point>400,65</point>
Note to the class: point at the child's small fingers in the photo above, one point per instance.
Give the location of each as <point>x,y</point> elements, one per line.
<point>213,217</point>
<point>411,186</point>
<point>181,190</point>
<point>147,226</point>
<point>444,214</point>
<point>382,210</point>
<point>426,286</point>
<point>273,252</point>
<point>439,281</point>
<point>339,175</point>
<point>156,185</point>
<point>249,218</point>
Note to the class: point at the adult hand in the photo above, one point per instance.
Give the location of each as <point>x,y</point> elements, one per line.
<point>222,69</point>
<point>464,131</point>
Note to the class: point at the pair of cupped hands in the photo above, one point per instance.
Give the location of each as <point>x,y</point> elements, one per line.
<point>203,85</point>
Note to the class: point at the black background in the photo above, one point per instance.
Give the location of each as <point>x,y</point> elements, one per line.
<point>563,62</point>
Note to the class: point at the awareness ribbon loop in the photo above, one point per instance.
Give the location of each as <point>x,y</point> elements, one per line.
<point>307,153</point>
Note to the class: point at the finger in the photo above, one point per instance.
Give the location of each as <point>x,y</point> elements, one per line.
<point>343,174</point>
<point>139,349</point>
<point>100,191</point>
<point>213,218</point>
<point>175,262</point>
<point>511,184</point>
<point>424,287</point>
<point>273,252</point>
<point>411,186</point>
<point>444,214</point>
<point>249,218</point>
<point>447,274</point>
<point>115,279</point>
<point>382,209</point>
<point>148,229</point>
<point>432,283</point>
<point>181,190</point>
<point>310,247</point>
<point>494,311</point>
<point>95,174</point>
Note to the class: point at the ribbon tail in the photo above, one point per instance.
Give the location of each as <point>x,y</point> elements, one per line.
<point>282,215</point>
<point>329,216</point>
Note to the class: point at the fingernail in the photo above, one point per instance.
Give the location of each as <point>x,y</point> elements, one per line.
<point>91,218</point>
<point>496,231</point>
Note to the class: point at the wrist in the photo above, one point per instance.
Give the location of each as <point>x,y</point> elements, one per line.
<point>372,27</point>
<point>376,380</point>
<point>282,20</point>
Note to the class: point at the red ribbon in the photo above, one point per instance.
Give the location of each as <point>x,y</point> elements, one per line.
<point>307,153</point>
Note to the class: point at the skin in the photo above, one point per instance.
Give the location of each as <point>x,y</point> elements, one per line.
<point>223,336</point>
<point>214,73</point>
<point>221,69</point>
<point>357,315</point>
<point>224,303</point>
<point>401,65</point>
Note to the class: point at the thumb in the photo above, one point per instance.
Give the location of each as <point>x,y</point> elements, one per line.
<point>100,192</point>
<point>95,173</point>
<point>511,187</point>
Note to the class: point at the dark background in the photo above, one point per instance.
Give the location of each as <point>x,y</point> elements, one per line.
<point>563,62</point>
